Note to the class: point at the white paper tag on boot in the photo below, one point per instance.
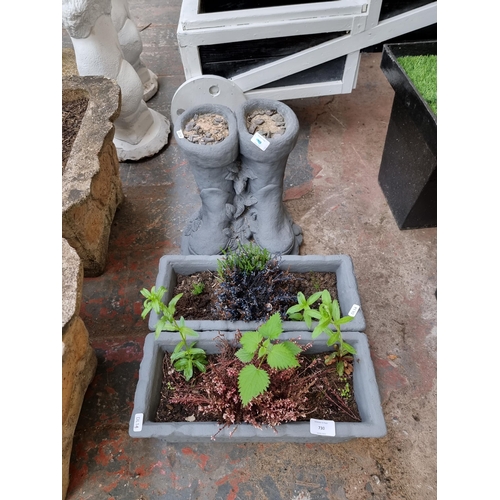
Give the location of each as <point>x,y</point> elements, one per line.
<point>260,141</point>
<point>138,422</point>
<point>322,427</point>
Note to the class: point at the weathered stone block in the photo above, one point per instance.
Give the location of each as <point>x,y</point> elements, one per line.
<point>79,361</point>
<point>91,187</point>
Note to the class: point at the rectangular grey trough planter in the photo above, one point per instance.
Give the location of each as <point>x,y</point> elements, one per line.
<point>147,398</point>
<point>347,288</point>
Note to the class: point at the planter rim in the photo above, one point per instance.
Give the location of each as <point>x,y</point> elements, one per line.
<point>347,287</point>
<point>148,389</point>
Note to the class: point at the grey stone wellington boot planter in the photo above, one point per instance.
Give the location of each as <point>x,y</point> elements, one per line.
<point>147,397</point>
<point>171,266</point>
<point>263,163</point>
<point>208,230</point>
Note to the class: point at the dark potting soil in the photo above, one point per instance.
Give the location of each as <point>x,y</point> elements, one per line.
<point>313,390</point>
<point>72,116</point>
<point>207,306</point>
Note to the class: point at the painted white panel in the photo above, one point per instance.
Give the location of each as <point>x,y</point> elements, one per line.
<point>390,28</point>
<point>282,14</point>
<point>257,31</point>
<point>297,91</point>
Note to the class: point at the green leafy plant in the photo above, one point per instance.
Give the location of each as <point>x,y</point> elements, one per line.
<point>185,357</point>
<point>246,258</point>
<point>303,311</point>
<point>198,288</point>
<point>260,348</point>
<point>346,391</point>
<point>327,314</point>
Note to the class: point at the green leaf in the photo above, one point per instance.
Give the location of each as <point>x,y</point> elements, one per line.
<point>181,363</point>
<point>281,357</point>
<point>160,326</point>
<point>177,355</point>
<point>252,381</point>
<point>326,298</point>
<point>195,350</point>
<point>348,347</point>
<point>294,309</point>
<point>250,341</point>
<point>147,308</point>
<point>184,330</point>
<point>199,365</point>
<point>272,328</point>
<point>292,347</point>
<point>345,319</point>
<point>188,371</point>
<point>317,332</point>
<point>335,310</point>
<point>296,316</point>
<point>174,300</point>
<point>314,297</point>
<point>264,350</point>
<point>309,315</point>
<point>332,338</point>
<point>301,299</point>
<point>244,356</point>
<point>340,368</point>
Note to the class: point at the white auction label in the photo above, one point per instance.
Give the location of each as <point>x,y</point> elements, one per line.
<point>180,135</point>
<point>322,427</point>
<point>138,422</point>
<point>260,141</point>
<point>354,310</point>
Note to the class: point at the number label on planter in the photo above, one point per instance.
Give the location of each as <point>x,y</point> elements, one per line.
<point>180,135</point>
<point>138,422</point>
<point>260,141</point>
<point>354,309</point>
<point>322,427</point>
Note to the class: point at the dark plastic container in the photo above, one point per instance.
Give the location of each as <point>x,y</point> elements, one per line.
<point>408,170</point>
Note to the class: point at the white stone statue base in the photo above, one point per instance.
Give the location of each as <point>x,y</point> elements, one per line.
<point>153,140</point>
<point>151,86</point>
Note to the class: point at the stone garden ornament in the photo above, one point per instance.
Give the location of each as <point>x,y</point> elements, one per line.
<point>139,131</point>
<point>240,178</point>
<point>131,44</point>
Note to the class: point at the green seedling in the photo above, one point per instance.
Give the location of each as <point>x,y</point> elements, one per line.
<point>198,288</point>
<point>302,311</point>
<point>327,314</point>
<point>261,347</point>
<point>346,391</point>
<point>246,258</point>
<point>186,356</point>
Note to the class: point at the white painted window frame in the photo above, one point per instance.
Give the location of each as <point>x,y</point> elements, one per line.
<point>359,19</point>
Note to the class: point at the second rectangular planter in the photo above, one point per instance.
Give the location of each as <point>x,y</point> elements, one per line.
<point>147,397</point>
<point>347,289</point>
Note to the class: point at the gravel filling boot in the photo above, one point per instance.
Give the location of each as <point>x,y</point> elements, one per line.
<point>264,171</point>
<point>212,162</point>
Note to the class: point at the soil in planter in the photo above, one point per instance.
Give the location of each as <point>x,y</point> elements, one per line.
<point>256,298</point>
<point>314,390</point>
<point>72,116</point>
<point>207,129</point>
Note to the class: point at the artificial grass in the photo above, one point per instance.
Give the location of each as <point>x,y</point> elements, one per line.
<point>422,70</point>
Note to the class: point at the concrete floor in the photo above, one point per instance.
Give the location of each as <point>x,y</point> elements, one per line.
<point>333,194</point>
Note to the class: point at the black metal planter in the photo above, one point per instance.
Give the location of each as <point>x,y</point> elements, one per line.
<point>408,170</point>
